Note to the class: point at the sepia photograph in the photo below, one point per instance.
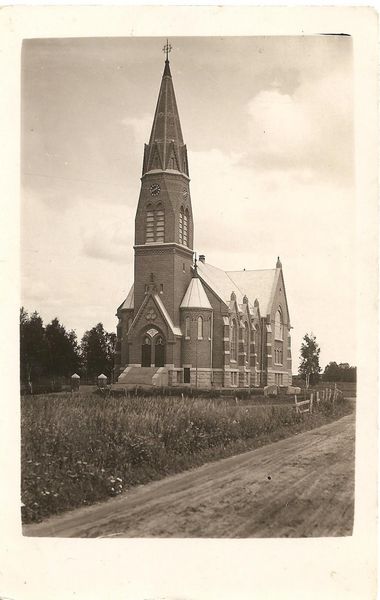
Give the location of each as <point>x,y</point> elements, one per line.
<point>189,302</point>
<point>187,369</point>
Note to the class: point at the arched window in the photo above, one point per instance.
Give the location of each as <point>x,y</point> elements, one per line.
<point>234,332</point>
<point>278,326</point>
<point>180,225</point>
<point>200,328</point>
<point>246,340</point>
<point>155,224</point>
<point>149,224</point>
<point>160,224</point>
<point>186,228</point>
<point>187,327</point>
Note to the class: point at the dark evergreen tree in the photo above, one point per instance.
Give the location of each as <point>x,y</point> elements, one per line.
<point>63,357</point>
<point>97,351</point>
<point>33,347</point>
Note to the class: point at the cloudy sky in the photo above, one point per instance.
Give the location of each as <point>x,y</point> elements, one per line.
<point>268,122</point>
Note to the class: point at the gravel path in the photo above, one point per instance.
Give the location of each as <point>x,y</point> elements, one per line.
<point>301,486</point>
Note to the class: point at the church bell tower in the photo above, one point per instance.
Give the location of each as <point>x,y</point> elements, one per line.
<point>164,221</point>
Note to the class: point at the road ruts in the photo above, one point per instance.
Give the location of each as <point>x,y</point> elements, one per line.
<point>298,487</point>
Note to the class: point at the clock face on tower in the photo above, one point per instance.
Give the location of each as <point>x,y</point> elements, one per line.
<point>155,189</point>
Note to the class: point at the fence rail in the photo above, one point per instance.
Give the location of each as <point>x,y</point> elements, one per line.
<point>324,395</point>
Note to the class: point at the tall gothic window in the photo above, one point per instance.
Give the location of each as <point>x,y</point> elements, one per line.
<point>186,228</point>
<point>246,340</point>
<point>180,226</point>
<point>234,341</point>
<point>183,226</point>
<point>149,224</point>
<point>278,326</point>
<point>160,224</point>
<point>200,328</point>
<point>187,327</point>
<point>155,225</point>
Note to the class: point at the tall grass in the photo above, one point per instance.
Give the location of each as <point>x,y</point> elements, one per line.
<point>78,449</point>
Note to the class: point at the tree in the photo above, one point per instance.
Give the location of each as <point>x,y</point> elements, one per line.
<point>63,357</point>
<point>309,368</point>
<point>98,348</point>
<point>33,347</point>
<point>341,372</point>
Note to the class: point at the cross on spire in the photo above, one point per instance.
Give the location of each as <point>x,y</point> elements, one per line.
<point>167,48</point>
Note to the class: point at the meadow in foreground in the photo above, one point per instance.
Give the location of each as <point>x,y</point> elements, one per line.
<point>81,448</point>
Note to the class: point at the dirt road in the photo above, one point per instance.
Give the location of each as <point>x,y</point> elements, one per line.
<point>299,486</point>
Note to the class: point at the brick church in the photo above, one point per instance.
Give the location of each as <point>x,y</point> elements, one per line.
<point>185,322</point>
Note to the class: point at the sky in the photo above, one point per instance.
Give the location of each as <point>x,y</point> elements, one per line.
<point>268,123</point>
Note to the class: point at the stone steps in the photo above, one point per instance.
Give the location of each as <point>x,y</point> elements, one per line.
<point>138,376</point>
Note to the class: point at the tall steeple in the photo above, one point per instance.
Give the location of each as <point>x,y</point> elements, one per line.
<point>166,149</point>
<point>164,219</point>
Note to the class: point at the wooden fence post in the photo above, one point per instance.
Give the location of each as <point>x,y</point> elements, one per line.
<point>311,401</point>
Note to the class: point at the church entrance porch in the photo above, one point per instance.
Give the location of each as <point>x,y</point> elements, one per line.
<point>153,349</point>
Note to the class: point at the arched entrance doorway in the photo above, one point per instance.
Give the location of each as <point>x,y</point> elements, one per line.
<point>146,351</point>
<point>159,351</point>
<point>153,349</point>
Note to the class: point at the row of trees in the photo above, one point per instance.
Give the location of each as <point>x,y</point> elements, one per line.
<point>53,352</point>
<point>310,370</point>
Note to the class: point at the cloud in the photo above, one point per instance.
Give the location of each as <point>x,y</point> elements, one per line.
<point>245,217</point>
<point>310,128</point>
<point>107,234</point>
<point>109,242</point>
<point>140,127</point>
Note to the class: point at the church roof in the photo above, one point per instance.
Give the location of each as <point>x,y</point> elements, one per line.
<point>195,295</point>
<point>254,284</point>
<point>129,301</point>
<point>175,329</point>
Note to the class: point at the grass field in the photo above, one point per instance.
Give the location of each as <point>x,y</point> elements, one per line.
<point>79,449</point>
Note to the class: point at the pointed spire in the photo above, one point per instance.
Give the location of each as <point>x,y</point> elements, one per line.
<point>166,140</point>
<point>167,72</point>
<point>278,263</point>
<point>167,48</point>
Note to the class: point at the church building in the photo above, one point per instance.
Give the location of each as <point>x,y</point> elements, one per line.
<point>185,322</point>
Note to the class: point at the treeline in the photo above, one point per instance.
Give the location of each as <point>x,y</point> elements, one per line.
<point>52,353</point>
<point>339,372</point>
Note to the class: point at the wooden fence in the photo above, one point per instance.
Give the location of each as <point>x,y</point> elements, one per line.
<point>324,395</point>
